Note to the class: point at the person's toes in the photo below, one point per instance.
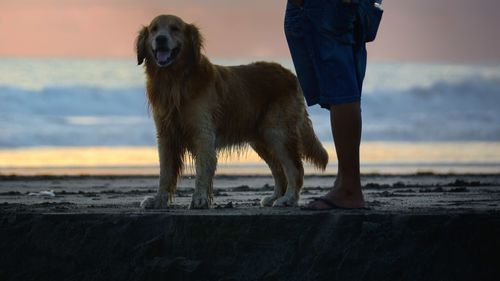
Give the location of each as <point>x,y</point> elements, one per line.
<point>317,205</point>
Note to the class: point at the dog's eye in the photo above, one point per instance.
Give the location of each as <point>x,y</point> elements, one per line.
<point>174,28</point>
<point>154,28</point>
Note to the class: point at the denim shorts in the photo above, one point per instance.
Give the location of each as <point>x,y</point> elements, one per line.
<point>329,64</point>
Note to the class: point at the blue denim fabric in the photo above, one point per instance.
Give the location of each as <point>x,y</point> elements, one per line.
<point>330,65</point>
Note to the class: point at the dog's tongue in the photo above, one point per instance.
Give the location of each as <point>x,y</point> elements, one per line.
<point>162,56</point>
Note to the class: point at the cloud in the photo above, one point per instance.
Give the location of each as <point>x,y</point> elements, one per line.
<point>449,30</point>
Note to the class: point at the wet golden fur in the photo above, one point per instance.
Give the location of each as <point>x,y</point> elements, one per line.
<point>200,108</point>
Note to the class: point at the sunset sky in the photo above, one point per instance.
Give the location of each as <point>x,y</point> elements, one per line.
<point>423,30</point>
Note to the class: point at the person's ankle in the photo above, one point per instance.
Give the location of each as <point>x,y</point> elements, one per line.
<point>349,190</point>
<point>350,184</point>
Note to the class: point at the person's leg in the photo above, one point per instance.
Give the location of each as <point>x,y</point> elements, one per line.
<point>331,70</point>
<point>297,28</point>
<point>346,129</point>
<point>342,65</point>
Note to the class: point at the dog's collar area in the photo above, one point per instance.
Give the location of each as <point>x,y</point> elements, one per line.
<point>165,56</point>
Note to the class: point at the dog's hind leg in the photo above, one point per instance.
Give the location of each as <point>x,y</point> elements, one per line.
<point>285,146</point>
<point>279,176</point>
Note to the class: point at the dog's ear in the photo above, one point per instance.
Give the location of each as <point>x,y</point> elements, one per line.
<point>140,45</point>
<point>196,42</point>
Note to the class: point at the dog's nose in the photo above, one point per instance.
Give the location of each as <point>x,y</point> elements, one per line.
<point>161,40</point>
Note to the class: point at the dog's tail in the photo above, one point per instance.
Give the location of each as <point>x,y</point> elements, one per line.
<point>311,148</point>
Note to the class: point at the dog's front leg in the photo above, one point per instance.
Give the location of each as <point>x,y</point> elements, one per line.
<point>205,158</point>
<point>170,167</point>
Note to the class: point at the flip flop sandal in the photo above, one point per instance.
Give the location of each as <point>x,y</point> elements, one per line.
<point>330,204</point>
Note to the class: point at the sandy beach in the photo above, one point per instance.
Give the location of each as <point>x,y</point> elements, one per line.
<point>383,192</point>
<point>417,227</point>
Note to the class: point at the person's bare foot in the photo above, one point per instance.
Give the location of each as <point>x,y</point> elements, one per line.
<point>340,196</point>
<point>346,130</point>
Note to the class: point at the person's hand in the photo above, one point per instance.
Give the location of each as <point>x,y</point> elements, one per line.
<point>300,2</point>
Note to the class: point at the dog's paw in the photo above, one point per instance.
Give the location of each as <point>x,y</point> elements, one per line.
<point>268,201</point>
<point>286,201</point>
<point>159,201</point>
<point>199,202</point>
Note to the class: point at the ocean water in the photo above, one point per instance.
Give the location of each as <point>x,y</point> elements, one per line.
<point>61,103</point>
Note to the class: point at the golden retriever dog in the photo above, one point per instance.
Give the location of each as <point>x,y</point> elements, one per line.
<point>201,108</point>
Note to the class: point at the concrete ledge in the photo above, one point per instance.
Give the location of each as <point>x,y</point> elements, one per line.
<point>254,245</point>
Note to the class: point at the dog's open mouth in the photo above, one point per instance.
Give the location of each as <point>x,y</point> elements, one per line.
<point>165,56</point>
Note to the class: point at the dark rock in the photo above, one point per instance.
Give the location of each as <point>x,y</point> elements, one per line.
<point>241,188</point>
<point>386,193</point>
<point>428,190</point>
<point>267,187</point>
<point>399,185</point>
<point>10,193</point>
<point>459,189</point>
<point>229,205</point>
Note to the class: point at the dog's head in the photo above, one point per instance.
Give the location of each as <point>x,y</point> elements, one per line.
<point>167,40</point>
